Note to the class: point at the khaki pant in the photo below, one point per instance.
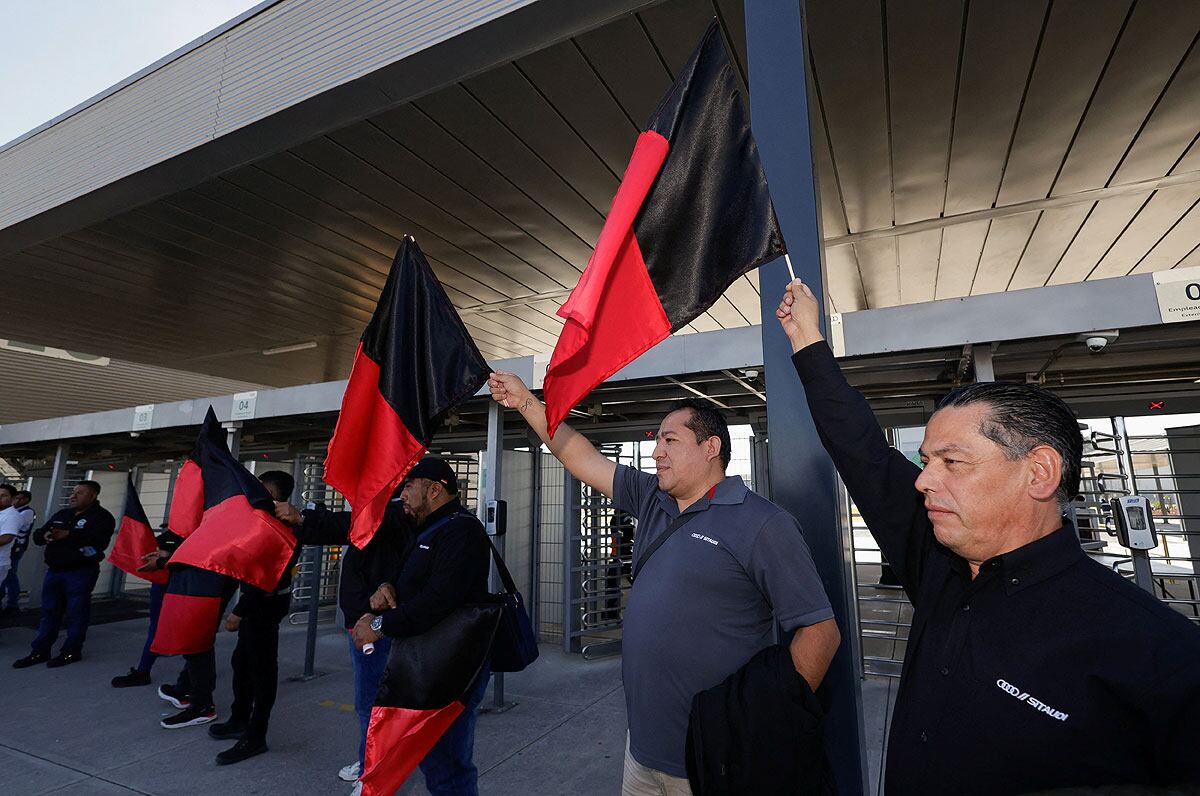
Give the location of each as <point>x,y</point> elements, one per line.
<point>638,780</point>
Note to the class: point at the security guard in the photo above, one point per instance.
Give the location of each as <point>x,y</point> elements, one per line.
<point>75,540</point>
<point>1029,666</point>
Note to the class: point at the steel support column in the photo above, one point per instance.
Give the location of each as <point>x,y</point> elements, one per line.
<point>803,479</point>
<point>58,475</point>
<point>572,619</point>
<point>493,463</point>
<point>983,363</point>
<point>233,436</point>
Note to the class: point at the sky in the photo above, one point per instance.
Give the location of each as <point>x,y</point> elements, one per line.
<point>55,54</point>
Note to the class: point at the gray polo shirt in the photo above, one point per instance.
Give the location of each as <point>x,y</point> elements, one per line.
<point>706,602</point>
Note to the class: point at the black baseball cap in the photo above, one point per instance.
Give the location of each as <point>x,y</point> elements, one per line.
<point>437,469</point>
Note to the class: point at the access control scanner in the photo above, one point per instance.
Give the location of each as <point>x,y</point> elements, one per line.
<point>1135,522</point>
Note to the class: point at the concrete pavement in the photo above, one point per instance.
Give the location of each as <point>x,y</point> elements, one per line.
<point>67,731</point>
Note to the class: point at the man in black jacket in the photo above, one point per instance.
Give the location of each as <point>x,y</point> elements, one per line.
<point>75,539</point>
<point>255,663</point>
<point>446,567</point>
<point>1030,667</point>
<point>363,572</point>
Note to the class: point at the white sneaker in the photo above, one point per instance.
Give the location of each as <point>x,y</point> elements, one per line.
<point>357,789</point>
<point>351,772</point>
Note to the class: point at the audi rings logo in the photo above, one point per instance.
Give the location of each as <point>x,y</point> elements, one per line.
<point>1009,687</point>
<point>1033,702</point>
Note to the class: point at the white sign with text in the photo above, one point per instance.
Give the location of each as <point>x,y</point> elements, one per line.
<point>1178,294</point>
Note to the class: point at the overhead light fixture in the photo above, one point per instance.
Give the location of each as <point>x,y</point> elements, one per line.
<point>287,349</point>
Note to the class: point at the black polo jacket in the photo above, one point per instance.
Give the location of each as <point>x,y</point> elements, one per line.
<point>88,535</point>
<point>442,571</point>
<point>1047,670</point>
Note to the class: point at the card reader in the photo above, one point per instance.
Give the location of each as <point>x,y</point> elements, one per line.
<point>1135,522</point>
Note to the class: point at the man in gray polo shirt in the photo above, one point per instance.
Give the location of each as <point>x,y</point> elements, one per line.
<point>707,600</point>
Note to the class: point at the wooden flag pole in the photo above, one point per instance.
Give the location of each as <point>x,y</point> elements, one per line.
<point>787,258</point>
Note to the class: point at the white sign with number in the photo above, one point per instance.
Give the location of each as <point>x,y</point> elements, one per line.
<point>1178,294</point>
<point>143,417</point>
<point>243,405</point>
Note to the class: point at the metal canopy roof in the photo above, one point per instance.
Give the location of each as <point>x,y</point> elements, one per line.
<point>961,149</point>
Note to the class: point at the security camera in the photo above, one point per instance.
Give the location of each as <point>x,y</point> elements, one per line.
<point>1096,341</point>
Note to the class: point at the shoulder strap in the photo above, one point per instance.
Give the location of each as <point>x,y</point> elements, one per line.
<point>676,524</point>
<point>428,532</point>
<point>510,586</point>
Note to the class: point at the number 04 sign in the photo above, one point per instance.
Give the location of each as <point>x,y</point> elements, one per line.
<point>243,405</point>
<point>1178,294</point>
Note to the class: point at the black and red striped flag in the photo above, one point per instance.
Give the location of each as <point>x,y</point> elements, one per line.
<point>135,538</point>
<point>227,521</point>
<point>692,214</point>
<point>415,362</point>
<point>428,680</point>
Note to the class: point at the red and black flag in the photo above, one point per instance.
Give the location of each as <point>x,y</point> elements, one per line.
<point>428,680</point>
<point>191,610</point>
<point>135,538</point>
<point>691,215</point>
<point>415,362</point>
<point>227,519</point>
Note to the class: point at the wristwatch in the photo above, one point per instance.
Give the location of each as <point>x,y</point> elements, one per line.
<point>377,625</point>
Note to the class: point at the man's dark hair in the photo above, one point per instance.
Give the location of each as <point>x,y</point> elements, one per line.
<point>279,483</point>
<point>1023,416</point>
<point>92,485</point>
<point>24,493</point>
<point>706,421</point>
<point>10,489</point>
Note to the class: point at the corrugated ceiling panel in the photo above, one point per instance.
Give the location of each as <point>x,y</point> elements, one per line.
<point>1079,36</point>
<point>998,52</point>
<point>1154,42</point>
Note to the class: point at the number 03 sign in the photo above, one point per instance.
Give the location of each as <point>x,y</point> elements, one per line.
<point>1178,294</point>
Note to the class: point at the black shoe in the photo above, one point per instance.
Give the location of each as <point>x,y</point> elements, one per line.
<point>227,730</point>
<point>32,659</point>
<point>190,717</point>
<point>63,659</point>
<point>129,680</point>
<point>176,696</point>
<point>247,747</point>
<point>12,610</point>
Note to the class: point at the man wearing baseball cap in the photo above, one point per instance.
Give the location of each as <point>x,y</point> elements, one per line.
<point>446,567</point>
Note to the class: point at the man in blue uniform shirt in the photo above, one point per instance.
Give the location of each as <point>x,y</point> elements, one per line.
<point>707,598</point>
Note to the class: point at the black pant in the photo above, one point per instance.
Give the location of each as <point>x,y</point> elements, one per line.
<point>199,676</point>
<point>256,665</point>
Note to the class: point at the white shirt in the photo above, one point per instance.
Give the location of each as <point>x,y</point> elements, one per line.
<point>11,523</point>
<point>28,515</point>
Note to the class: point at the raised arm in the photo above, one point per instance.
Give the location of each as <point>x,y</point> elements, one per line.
<point>881,480</point>
<point>570,447</point>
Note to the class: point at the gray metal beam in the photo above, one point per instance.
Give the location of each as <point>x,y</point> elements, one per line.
<point>1005,211</point>
<point>1120,303</point>
<point>803,479</point>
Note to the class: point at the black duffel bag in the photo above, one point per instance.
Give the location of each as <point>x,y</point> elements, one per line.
<point>515,645</point>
